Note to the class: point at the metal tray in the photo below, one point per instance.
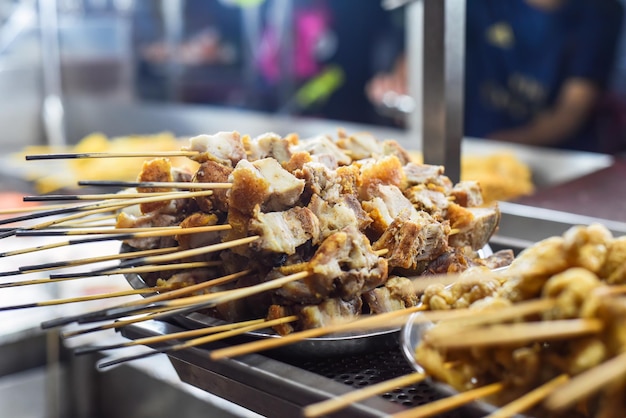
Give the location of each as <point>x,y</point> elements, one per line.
<point>410,337</point>
<point>331,345</point>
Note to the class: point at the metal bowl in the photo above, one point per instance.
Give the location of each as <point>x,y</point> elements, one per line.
<point>339,344</point>
<point>410,337</point>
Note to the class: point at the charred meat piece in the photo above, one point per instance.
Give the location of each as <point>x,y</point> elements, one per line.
<point>156,170</point>
<point>434,202</point>
<point>343,266</point>
<point>277,312</point>
<point>467,194</point>
<point>197,219</point>
<point>427,174</point>
<point>329,312</point>
<point>345,263</point>
<point>154,219</point>
<point>413,240</point>
<point>283,232</point>
<point>223,147</point>
<point>270,145</point>
<point>396,294</point>
<point>474,226</point>
<point>336,215</point>
<point>213,172</point>
<point>323,150</point>
<point>380,171</point>
<point>386,204</point>
<point>264,183</point>
<point>360,145</point>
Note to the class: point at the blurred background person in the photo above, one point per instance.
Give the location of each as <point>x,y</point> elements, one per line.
<point>537,72</point>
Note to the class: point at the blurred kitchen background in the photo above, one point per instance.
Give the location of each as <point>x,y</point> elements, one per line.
<point>69,68</point>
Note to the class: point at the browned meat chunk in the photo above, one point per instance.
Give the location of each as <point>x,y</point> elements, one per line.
<point>213,172</point>
<point>344,265</point>
<point>360,145</point>
<point>329,312</point>
<point>475,227</point>
<point>413,240</point>
<point>270,145</point>
<point>427,174</point>
<point>396,294</point>
<point>467,194</point>
<point>154,219</point>
<point>434,202</point>
<point>264,183</point>
<point>334,216</point>
<point>374,172</point>
<point>386,204</point>
<point>198,240</point>
<point>223,147</point>
<point>283,232</point>
<point>323,150</point>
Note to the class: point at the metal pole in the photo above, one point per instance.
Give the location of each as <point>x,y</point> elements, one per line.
<point>443,66</point>
<point>52,112</point>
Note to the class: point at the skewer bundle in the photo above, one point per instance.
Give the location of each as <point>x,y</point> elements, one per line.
<point>308,236</point>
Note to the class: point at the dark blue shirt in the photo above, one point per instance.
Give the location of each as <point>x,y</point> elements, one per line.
<point>518,58</point>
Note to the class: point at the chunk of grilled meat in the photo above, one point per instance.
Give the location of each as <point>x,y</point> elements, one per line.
<point>197,219</point>
<point>343,266</point>
<point>474,226</point>
<point>396,294</point>
<point>467,194</point>
<point>283,232</point>
<point>329,312</point>
<point>387,203</point>
<point>427,174</point>
<point>213,172</point>
<point>336,215</point>
<point>264,183</point>
<point>224,148</point>
<point>413,240</point>
<point>270,145</point>
<point>161,170</point>
<point>150,220</point>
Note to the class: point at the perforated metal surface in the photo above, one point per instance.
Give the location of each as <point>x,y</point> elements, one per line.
<point>371,368</point>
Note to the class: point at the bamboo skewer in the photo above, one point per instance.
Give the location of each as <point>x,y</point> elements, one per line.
<point>530,399</point>
<point>103,196</point>
<point>167,337</point>
<point>452,402</point>
<point>137,270</point>
<point>151,231</point>
<point>146,234</point>
<point>380,320</point>
<point>587,383</point>
<point>100,259</point>
<point>115,324</point>
<point>335,404</point>
<point>155,184</point>
<point>86,298</point>
<point>81,155</point>
<point>514,333</point>
<point>188,253</point>
<point>202,340</point>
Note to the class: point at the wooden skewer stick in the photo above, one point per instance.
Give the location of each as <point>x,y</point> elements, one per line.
<point>450,403</point>
<point>37,208</point>
<point>86,298</point>
<point>80,155</point>
<point>379,320</point>
<point>115,324</point>
<point>491,315</point>
<point>155,231</point>
<point>188,253</point>
<point>100,259</point>
<point>147,234</point>
<point>103,196</point>
<point>586,383</point>
<point>182,305</point>
<point>203,340</point>
<point>137,270</point>
<point>168,337</point>
<point>162,296</point>
<point>191,289</point>
<point>335,404</point>
<point>530,399</point>
<point>514,333</point>
<point>94,220</point>
<point>155,184</point>
<point>116,204</point>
